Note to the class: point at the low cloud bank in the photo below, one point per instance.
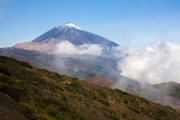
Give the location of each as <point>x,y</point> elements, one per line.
<point>154,64</point>
<point>66,48</point>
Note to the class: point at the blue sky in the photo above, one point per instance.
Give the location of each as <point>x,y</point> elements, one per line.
<point>130,23</point>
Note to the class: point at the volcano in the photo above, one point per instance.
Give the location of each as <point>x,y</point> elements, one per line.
<point>66,32</point>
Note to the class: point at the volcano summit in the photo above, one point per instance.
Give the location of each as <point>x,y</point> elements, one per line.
<point>66,32</point>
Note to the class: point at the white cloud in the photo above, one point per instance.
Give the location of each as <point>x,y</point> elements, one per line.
<point>67,48</point>
<point>154,64</point>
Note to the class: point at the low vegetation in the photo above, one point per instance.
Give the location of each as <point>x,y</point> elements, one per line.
<point>44,95</point>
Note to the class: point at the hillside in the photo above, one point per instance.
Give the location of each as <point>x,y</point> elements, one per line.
<point>164,93</point>
<point>38,94</point>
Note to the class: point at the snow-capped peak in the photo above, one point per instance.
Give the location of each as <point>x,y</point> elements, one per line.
<point>69,24</point>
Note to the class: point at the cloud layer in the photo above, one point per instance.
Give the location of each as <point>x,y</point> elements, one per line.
<point>155,64</point>
<point>67,48</point>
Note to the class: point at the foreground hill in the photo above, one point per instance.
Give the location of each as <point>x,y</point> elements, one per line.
<point>38,94</point>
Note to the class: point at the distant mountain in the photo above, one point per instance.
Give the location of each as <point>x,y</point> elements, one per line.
<point>66,32</point>
<point>73,34</point>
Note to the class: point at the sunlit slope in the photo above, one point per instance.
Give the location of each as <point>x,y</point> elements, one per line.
<point>44,95</point>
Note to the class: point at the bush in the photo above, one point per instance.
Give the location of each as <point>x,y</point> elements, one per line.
<point>103,101</point>
<point>28,110</point>
<point>126,102</point>
<point>4,69</point>
<point>144,100</point>
<point>15,93</point>
<point>101,93</point>
<point>26,64</point>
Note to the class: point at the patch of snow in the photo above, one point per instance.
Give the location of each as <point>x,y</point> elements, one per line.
<point>70,25</point>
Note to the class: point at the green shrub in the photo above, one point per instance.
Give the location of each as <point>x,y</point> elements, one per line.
<point>103,101</point>
<point>125,101</point>
<point>144,100</point>
<point>14,92</point>
<point>6,70</point>
<point>26,64</point>
<point>28,110</point>
<point>101,93</point>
